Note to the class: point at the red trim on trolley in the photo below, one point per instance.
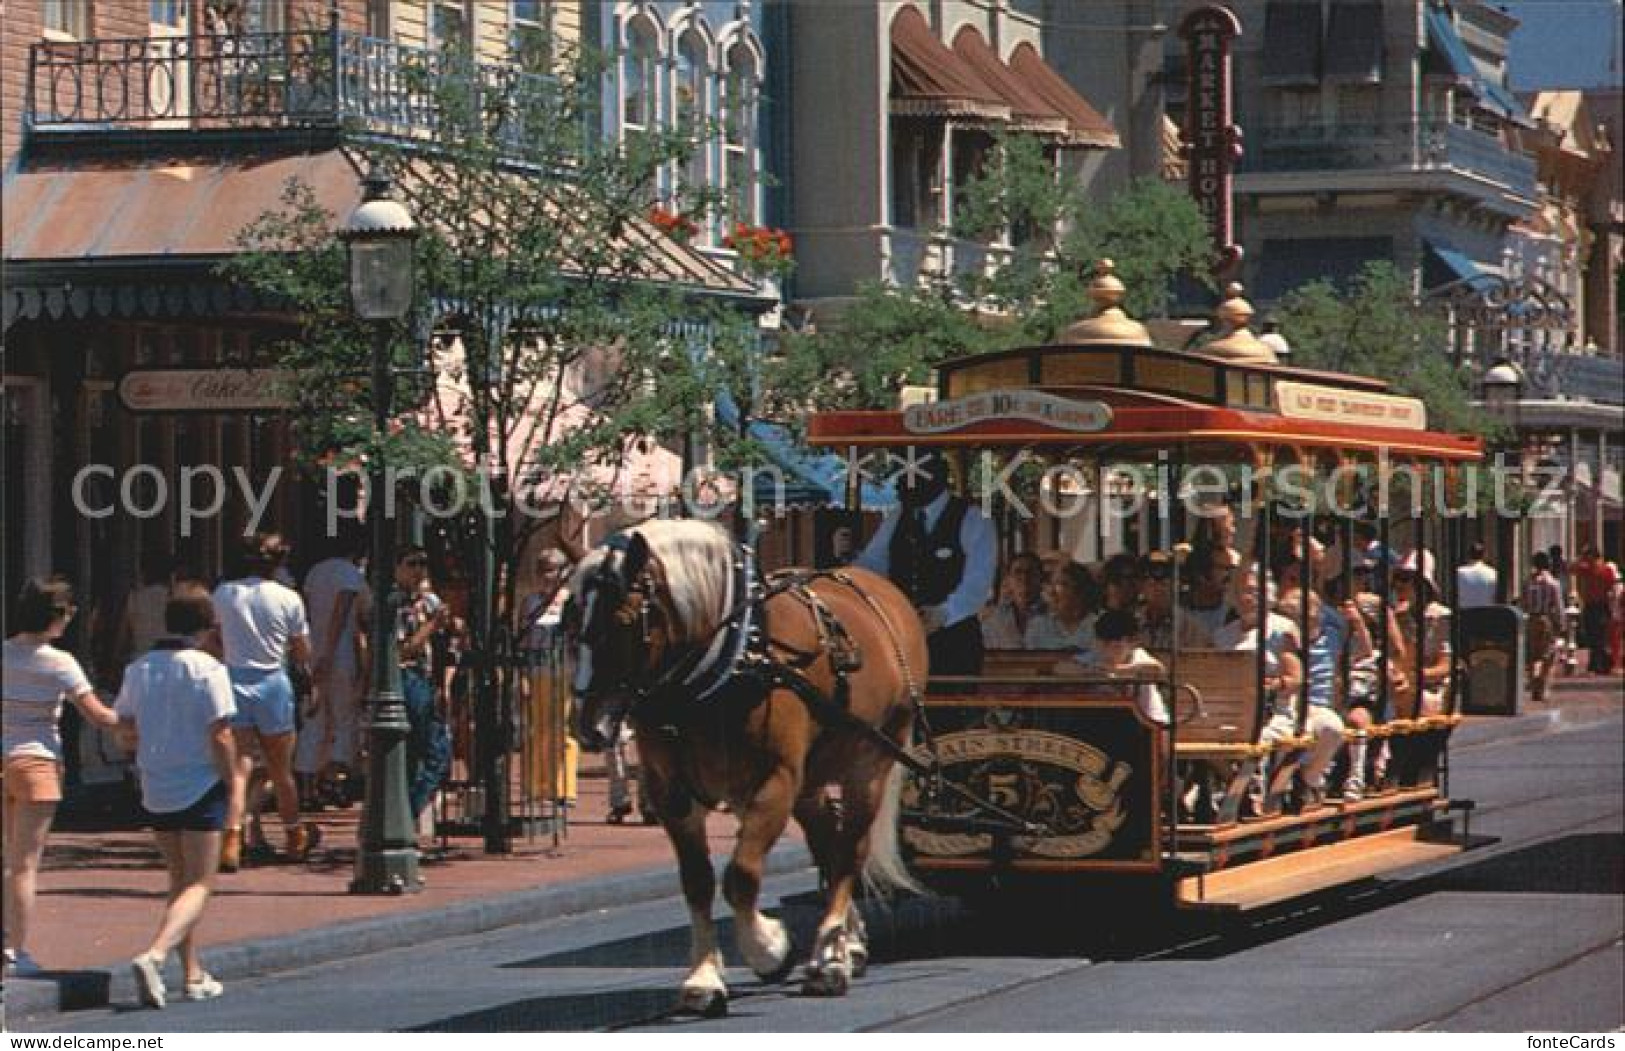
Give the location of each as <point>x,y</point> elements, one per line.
<point>1146,424</point>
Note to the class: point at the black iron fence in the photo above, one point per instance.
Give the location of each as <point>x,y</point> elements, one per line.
<point>312,79</point>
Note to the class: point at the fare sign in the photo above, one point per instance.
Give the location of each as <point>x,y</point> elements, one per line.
<point>1311,401</point>
<point>205,390</point>
<point>1212,141</point>
<point>1063,414</point>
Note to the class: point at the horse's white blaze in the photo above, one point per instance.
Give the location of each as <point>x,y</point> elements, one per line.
<point>762,941</point>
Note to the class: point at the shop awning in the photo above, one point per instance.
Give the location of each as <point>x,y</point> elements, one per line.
<point>117,238</point>
<point>1089,128</point>
<point>1452,54</point>
<point>928,80</point>
<point>1028,109</point>
<point>1292,40</point>
<point>1443,264</point>
<point>1355,33</point>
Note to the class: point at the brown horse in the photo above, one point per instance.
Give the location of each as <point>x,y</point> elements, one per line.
<point>664,620</point>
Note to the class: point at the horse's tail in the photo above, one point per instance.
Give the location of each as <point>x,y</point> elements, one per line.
<point>884,872</point>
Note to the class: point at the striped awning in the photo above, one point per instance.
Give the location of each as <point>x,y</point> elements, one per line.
<point>1089,128</point>
<point>928,80</point>
<point>1028,109</point>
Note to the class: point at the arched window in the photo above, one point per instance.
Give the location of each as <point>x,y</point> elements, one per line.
<point>694,106</point>
<point>739,132</point>
<point>640,84</point>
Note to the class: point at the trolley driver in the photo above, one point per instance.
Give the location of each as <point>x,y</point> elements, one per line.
<point>942,552</point>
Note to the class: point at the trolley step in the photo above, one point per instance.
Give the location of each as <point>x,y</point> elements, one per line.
<point>1278,879</point>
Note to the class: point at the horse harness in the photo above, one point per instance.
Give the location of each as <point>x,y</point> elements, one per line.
<point>737,664</point>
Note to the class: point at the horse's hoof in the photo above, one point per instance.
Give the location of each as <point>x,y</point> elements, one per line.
<point>859,957</point>
<point>706,1003</point>
<point>833,980</point>
<point>771,959</point>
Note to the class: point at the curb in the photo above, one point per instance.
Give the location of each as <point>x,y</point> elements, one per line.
<point>44,1000</point>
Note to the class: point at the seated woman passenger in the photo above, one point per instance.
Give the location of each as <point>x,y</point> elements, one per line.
<point>1329,634</point>
<point>1069,623</point>
<point>1364,707</point>
<point>1414,594</point>
<point>1020,601</point>
<point>1157,605</point>
<point>1117,649</point>
<point>1283,670</point>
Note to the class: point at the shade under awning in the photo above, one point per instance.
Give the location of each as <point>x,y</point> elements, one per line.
<point>1355,33</point>
<point>928,80</point>
<point>1088,127</point>
<point>1028,109</point>
<point>1292,41</point>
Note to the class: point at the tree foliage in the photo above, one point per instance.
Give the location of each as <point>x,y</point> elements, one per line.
<point>892,336</point>
<point>1377,328</point>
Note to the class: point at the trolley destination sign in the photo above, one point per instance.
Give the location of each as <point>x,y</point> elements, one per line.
<point>1065,414</point>
<point>1314,401</point>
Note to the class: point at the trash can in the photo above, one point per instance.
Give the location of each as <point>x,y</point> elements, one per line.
<point>1492,654</point>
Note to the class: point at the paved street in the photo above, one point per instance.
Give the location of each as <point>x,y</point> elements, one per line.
<point>1525,934</point>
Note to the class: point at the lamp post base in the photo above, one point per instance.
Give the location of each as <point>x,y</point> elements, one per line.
<point>392,871</point>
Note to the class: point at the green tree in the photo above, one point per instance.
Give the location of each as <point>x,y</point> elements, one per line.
<point>893,336</point>
<point>1377,328</point>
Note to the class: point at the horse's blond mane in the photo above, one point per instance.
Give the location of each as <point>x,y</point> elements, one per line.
<point>698,561</point>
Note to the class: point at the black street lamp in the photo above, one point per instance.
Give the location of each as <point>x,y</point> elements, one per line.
<point>379,235</point>
<point>1502,387</point>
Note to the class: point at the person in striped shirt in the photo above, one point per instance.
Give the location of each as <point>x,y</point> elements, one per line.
<point>1542,603</point>
<point>38,678</point>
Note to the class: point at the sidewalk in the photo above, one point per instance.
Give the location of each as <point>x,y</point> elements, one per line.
<point>101,892</point>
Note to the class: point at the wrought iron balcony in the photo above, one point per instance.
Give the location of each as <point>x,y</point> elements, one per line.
<point>1425,146</point>
<point>266,81</point>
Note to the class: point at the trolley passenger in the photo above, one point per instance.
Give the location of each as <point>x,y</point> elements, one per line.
<point>1069,622</point>
<point>1330,633</point>
<point>1414,594</point>
<point>1364,707</point>
<point>1283,670</point>
<point>1020,602</point>
<point>1157,598</point>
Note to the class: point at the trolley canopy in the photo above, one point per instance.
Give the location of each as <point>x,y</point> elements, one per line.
<point>1129,397</point>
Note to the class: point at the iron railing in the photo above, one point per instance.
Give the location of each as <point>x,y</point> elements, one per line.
<point>255,81</point>
<point>1393,146</point>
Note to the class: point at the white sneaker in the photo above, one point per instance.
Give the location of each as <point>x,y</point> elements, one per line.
<point>149,980</point>
<point>205,988</point>
<point>21,965</point>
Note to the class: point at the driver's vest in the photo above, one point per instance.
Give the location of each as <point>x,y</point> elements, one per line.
<point>928,566</point>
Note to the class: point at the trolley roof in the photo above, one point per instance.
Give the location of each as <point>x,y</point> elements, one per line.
<point>1106,388</point>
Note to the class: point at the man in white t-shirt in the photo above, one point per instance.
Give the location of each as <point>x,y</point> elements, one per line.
<point>327,741</point>
<point>1476,580</point>
<point>263,626</point>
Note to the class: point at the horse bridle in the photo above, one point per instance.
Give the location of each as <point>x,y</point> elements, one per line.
<point>645,600</point>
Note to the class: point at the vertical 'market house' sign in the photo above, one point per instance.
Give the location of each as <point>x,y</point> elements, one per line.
<point>1212,140</point>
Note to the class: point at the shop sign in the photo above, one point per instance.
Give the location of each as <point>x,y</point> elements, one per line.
<point>205,390</point>
<point>1212,141</point>
<point>1311,401</point>
<point>1065,414</point>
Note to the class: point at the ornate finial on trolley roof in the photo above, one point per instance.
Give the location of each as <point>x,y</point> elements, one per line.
<point>1238,343</point>
<point>1109,324</point>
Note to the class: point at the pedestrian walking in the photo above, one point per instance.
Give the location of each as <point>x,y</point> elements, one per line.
<point>38,679</point>
<point>554,755</point>
<point>1476,580</point>
<point>263,628</point>
<point>1593,580</point>
<point>177,703</point>
<point>420,615</point>
<point>324,758</point>
<point>1542,603</point>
